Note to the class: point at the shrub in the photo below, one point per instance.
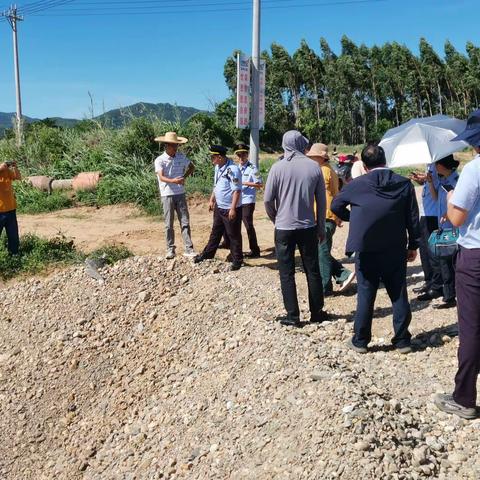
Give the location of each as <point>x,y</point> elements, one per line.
<point>31,200</point>
<point>111,254</point>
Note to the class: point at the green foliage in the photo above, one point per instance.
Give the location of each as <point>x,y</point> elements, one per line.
<point>31,200</point>
<point>36,254</point>
<point>111,254</point>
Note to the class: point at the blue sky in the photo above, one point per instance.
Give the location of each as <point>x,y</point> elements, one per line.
<point>178,56</point>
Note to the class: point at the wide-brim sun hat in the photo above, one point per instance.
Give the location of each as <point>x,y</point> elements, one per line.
<point>171,137</point>
<point>318,150</point>
<point>471,134</point>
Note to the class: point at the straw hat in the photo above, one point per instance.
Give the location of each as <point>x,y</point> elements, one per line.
<point>318,150</point>
<point>171,137</point>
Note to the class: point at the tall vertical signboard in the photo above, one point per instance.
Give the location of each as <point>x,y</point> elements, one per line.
<point>243,91</point>
<point>261,108</point>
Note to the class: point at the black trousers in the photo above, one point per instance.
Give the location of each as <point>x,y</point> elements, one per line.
<point>468,308</point>
<point>247,218</point>
<point>391,268</point>
<point>430,265</point>
<point>306,240</point>
<point>231,228</point>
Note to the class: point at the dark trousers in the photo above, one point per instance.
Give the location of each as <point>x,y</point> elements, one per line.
<point>330,266</point>
<point>247,218</point>
<point>447,271</point>
<point>468,308</point>
<point>232,228</point>
<point>430,264</point>
<point>286,241</point>
<point>390,267</point>
<point>8,221</point>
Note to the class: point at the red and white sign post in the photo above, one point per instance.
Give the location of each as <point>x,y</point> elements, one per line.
<point>243,91</point>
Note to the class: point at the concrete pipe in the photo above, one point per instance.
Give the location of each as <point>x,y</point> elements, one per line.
<point>62,184</point>
<point>86,181</point>
<point>41,182</point>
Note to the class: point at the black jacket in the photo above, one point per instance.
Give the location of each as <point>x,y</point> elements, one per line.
<point>383,209</point>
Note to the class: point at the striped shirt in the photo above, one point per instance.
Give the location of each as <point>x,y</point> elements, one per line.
<point>172,167</point>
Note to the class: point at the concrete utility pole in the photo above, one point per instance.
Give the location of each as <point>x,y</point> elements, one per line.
<point>12,17</point>
<point>254,127</point>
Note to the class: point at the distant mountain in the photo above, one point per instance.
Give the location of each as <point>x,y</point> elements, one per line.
<point>118,117</point>
<point>165,111</point>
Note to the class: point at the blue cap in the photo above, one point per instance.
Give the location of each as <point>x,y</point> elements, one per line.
<point>471,134</point>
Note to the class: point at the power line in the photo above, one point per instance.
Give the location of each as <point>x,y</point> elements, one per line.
<point>146,11</point>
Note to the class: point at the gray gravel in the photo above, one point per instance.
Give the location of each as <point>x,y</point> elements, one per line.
<point>171,370</point>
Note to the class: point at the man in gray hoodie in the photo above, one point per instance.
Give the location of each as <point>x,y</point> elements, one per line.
<point>295,183</point>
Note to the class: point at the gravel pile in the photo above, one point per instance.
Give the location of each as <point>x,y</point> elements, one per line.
<point>174,370</point>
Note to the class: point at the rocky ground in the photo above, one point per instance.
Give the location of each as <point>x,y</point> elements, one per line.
<point>174,370</point>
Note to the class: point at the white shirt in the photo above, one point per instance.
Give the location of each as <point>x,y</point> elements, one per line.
<point>172,167</point>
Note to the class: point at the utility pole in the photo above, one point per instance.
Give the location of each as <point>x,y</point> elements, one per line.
<point>12,17</point>
<point>254,126</point>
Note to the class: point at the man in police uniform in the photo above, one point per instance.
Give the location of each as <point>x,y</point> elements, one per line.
<point>226,203</point>
<point>251,182</point>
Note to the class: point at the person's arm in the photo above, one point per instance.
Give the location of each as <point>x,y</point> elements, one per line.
<point>189,170</point>
<point>321,201</point>
<point>163,178</point>
<point>236,185</point>
<point>257,180</point>
<point>413,225</point>
<point>461,200</point>
<point>340,203</point>
<point>270,196</point>
<point>431,186</point>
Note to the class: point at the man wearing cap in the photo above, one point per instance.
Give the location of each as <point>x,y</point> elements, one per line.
<point>226,204</point>
<point>329,266</point>
<point>172,167</point>
<point>463,211</point>
<point>251,182</point>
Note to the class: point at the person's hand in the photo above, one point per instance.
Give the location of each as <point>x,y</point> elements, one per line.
<point>211,205</point>
<point>443,218</point>
<point>429,177</point>
<point>3,166</point>
<point>450,195</point>
<point>232,214</point>
<point>411,255</point>
<point>179,180</point>
<point>338,223</point>
<point>321,236</point>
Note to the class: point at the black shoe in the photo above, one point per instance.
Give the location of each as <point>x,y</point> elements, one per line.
<point>224,246</point>
<point>288,322</point>
<point>319,317</point>
<point>235,266</point>
<point>429,295</point>
<point>445,305</point>
<point>328,293</point>
<point>252,255</point>
<point>423,289</point>
<point>199,258</point>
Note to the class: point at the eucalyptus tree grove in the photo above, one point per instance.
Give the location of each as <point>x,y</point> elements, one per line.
<point>355,96</point>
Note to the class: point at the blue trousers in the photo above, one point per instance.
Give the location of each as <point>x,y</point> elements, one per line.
<point>8,221</point>
<point>390,267</point>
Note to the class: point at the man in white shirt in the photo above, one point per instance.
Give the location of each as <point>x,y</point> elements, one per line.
<point>172,167</point>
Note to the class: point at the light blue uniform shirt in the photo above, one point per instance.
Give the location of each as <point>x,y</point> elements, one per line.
<point>429,203</point>
<point>467,197</point>
<point>250,174</point>
<point>442,197</point>
<point>228,179</point>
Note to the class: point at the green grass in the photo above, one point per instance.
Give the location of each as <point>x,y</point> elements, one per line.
<point>37,254</point>
<point>31,200</point>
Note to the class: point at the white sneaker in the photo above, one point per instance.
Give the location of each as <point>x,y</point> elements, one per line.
<point>190,254</point>
<point>170,254</point>
<point>347,282</point>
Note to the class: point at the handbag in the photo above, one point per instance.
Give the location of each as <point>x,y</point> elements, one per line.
<point>443,242</point>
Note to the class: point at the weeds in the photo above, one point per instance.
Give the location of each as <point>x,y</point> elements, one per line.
<point>36,254</point>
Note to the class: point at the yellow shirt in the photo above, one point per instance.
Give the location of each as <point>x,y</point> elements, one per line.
<point>7,197</point>
<point>331,188</point>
